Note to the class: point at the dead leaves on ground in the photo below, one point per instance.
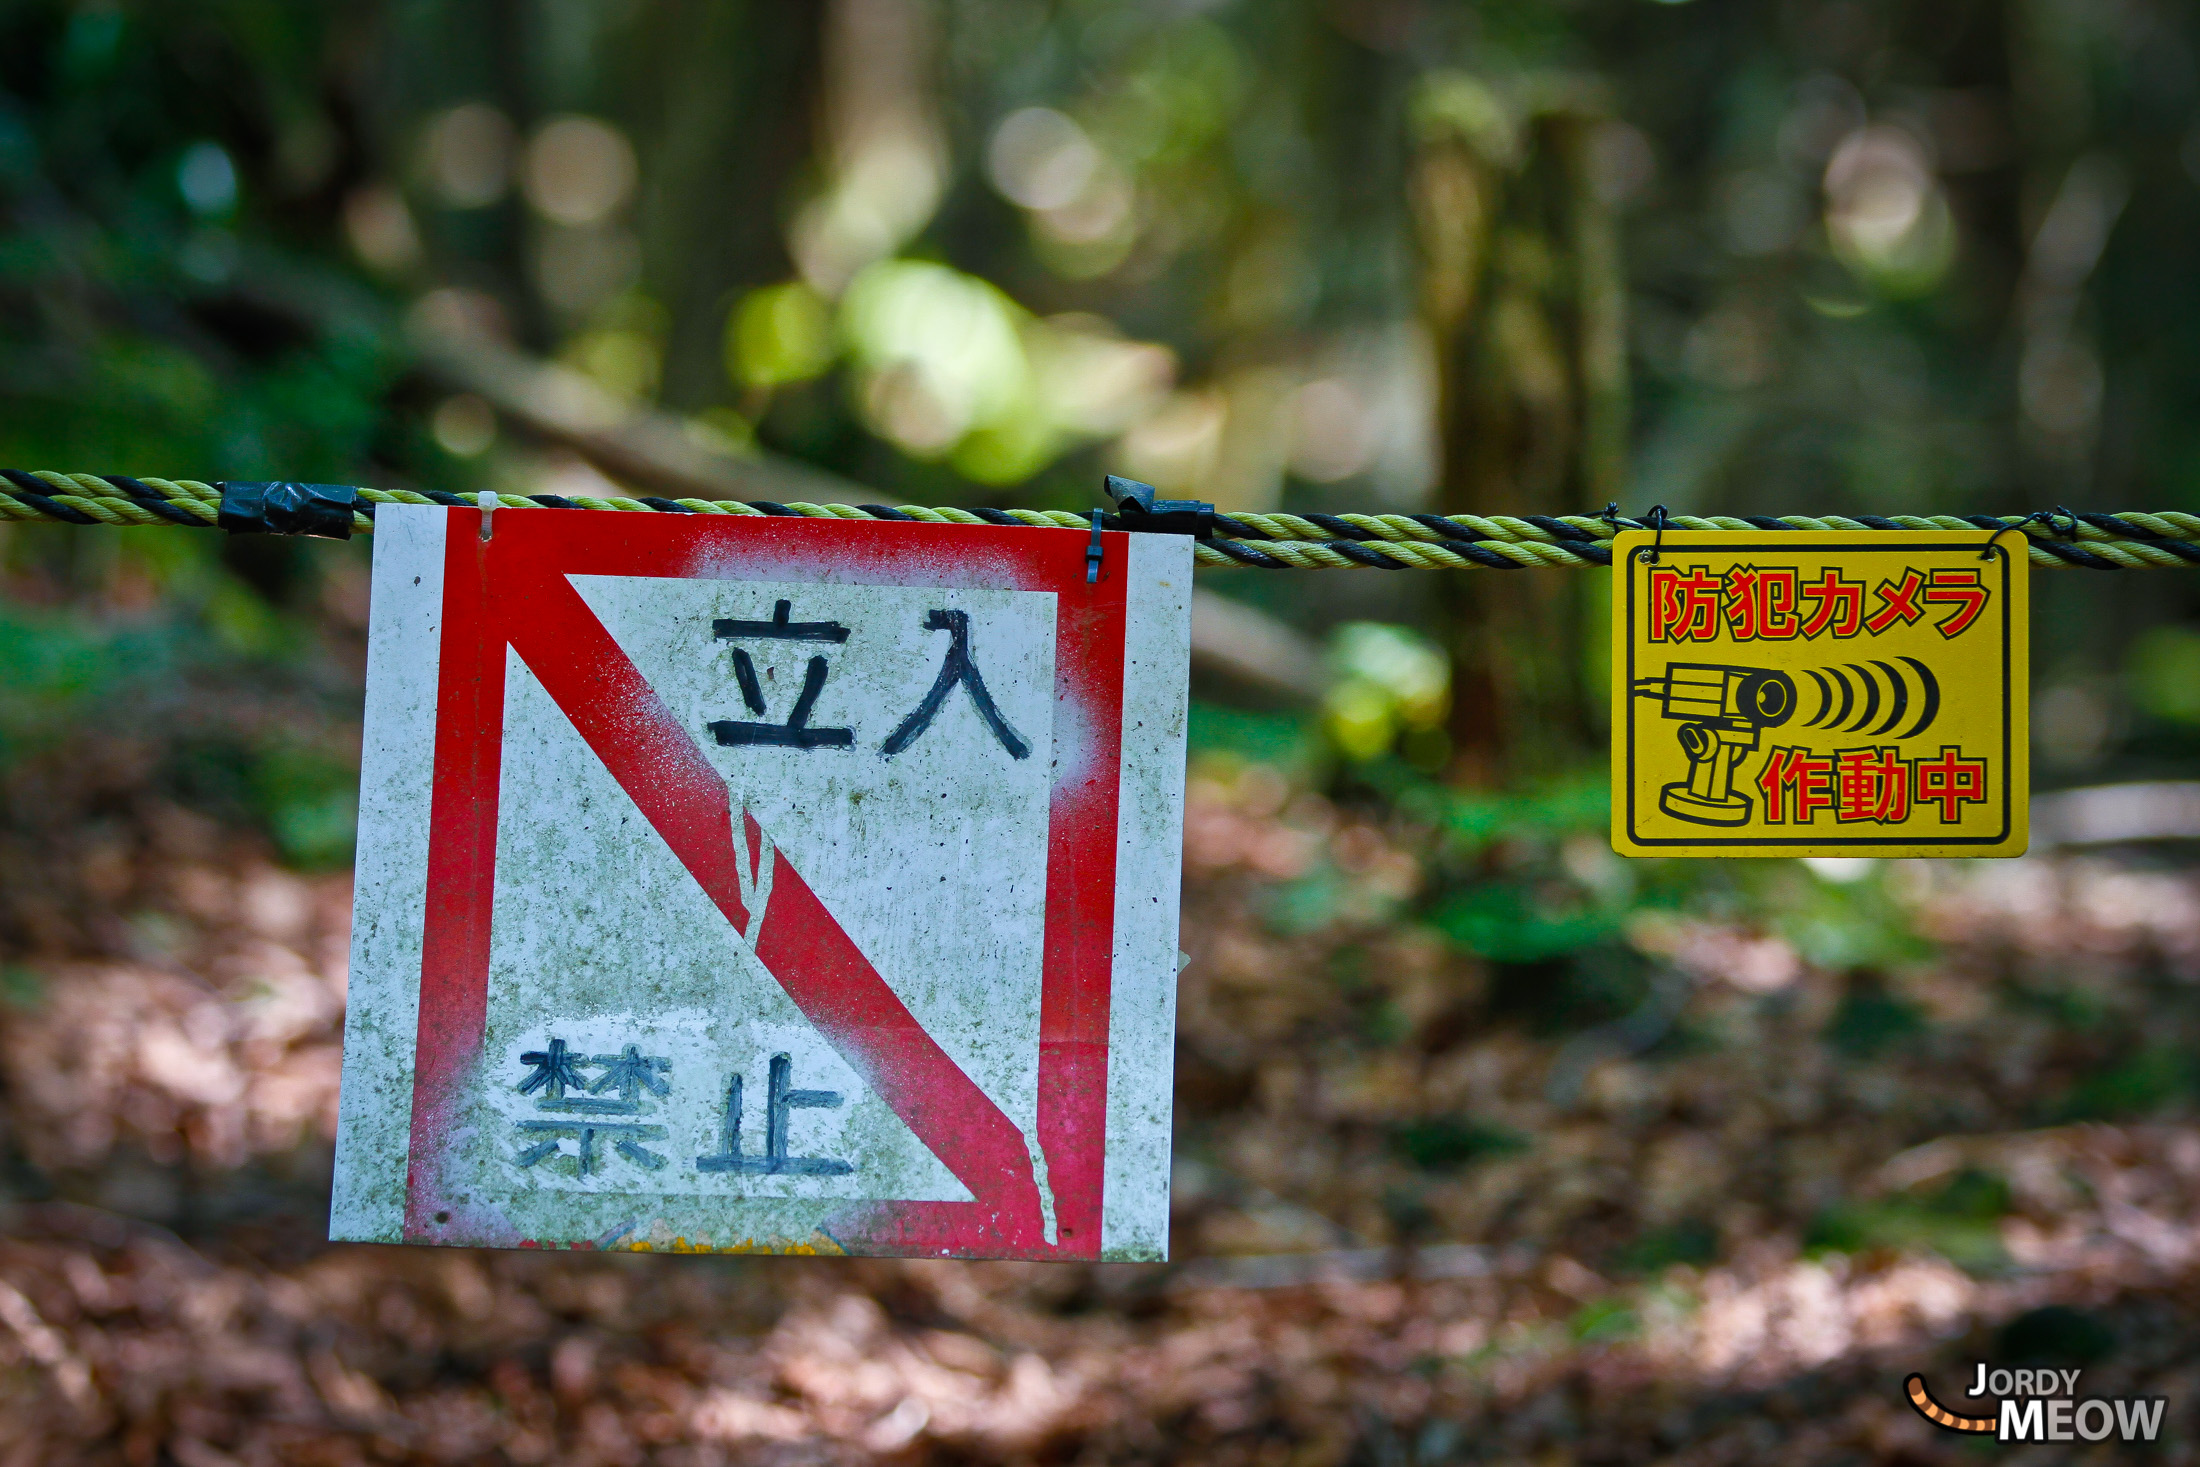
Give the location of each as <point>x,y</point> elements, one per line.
<point>1653,1190</point>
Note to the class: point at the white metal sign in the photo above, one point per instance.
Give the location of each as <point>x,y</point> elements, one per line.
<point>733,883</point>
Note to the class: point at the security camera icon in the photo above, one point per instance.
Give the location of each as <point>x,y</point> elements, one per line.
<point>1722,711</point>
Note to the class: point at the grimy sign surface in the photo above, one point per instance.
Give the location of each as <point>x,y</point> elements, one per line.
<point>1819,693</point>
<point>765,884</point>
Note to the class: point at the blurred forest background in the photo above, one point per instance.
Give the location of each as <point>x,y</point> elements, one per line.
<point>1492,1146</point>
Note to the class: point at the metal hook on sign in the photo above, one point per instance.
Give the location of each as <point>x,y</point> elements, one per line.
<point>486,500</point>
<point>1092,552</point>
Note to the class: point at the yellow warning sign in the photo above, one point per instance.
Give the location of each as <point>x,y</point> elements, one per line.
<point>1807,693</point>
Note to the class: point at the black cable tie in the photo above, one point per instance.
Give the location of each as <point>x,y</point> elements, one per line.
<point>1138,509</point>
<point>1092,552</point>
<point>1656,517</point>
<point>251,507</point>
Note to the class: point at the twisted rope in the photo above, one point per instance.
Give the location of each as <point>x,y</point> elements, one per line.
<point>2127,541</point>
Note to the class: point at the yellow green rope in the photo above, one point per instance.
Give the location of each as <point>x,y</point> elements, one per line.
<point>2128,540</point>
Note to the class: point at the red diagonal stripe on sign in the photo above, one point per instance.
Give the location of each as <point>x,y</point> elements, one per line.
<point>662,769</point>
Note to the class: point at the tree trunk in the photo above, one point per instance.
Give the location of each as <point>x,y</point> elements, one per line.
<point>1525,303</point>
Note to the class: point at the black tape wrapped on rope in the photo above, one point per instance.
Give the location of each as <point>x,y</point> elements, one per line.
<point>284,508</point>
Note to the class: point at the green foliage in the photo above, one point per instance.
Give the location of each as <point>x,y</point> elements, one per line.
<point>178,328</point>
<point>1309,904</point>
<point>1392,687</point>
<point>175,299</point>
<point>2070,1008</point>
<point>52,665</point>
<point>1841,921</point>
<point>2057,1335</point>
<point>1870,1020</point>
<point>1959,1220</point>
<point>1385,1024</point>
<point>1447,1143</point>
<point>1607,1319</point>
<point>308,800</point>
<point>1604,984</point>
<point>304,798</point>
<point>1504,896</point>
<point>20,987</point>
<point>779,335</point>
<point>1513,923</point>
<point>2135,1085</point>
<point>1691,1241</point>
<point>1477,819</point>
<point>2163,667</point>
<point>1285,741</point>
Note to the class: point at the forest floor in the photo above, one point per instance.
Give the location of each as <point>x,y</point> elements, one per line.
<point>1703,1192</point>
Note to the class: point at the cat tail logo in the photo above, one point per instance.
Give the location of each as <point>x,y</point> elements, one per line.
<point>1862,690</point>
<point>1940,1415</point>
<point>2044,1407</point>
